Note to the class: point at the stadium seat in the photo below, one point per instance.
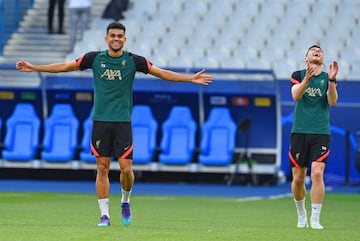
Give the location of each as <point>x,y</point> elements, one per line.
<point>85,153</point>
<point>22,134</point>
<point>61,130</point>
<point>144,128</point>
<point>178,137</point>
<point>218,138</point>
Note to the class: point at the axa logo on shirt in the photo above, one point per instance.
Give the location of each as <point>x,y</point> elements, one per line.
<point>313,92</point>
<point>111,74</point>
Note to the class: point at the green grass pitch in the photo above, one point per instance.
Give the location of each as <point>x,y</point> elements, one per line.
<point>57,216</point>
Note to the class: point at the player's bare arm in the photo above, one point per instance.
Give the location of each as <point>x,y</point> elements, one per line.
<point>25,66</point>
<point>298,90</point>
<point>332,93</point>
<point>197,78</point>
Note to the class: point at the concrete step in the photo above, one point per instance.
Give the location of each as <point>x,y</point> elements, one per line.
<point>40,36</point>
<point>15,44</point>
<point>31,53</point>
<point>34,48</point>
<point>40,16</point>
<point>33,30</point>
<point>32,59</point>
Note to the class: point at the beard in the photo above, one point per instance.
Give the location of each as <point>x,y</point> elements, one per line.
<point>317,62</point>
<point>115,50</point>
<point>118,47</point>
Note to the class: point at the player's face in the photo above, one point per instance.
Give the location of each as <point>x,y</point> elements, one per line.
<point>115,38</point>
<point>315,55</point>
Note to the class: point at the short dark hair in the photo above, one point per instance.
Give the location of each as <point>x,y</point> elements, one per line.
<point>115,25</point>
<point>313,46</point>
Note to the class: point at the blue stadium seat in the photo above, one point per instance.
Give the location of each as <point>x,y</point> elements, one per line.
<point>61,130</point>
<point>218,138</point>
<point>144,128</point>
<point>178,137</point>
<point>85,153</point>
<point>22,134</point>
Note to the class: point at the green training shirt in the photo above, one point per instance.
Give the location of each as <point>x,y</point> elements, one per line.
<point>113,83</point>
<point>311,114</point>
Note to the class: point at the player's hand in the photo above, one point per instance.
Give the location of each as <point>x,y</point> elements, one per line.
<point>24,66</point>
<point>333,70</point>
<point>310,72</point>
<point>201,78</point>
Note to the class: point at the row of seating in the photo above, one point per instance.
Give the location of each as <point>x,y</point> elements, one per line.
<point>177,147</point>
<point>22,138</point>
<point>178,141</point>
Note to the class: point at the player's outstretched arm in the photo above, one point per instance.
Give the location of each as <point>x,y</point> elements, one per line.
<point>25,66</point>
<point>197,78</point>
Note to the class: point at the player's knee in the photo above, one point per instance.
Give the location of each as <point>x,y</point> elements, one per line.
<point>298,180</point>
<point>299,177</point>
<point>127,170</point>
<point>103,169</point>
<point>316,175</point>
